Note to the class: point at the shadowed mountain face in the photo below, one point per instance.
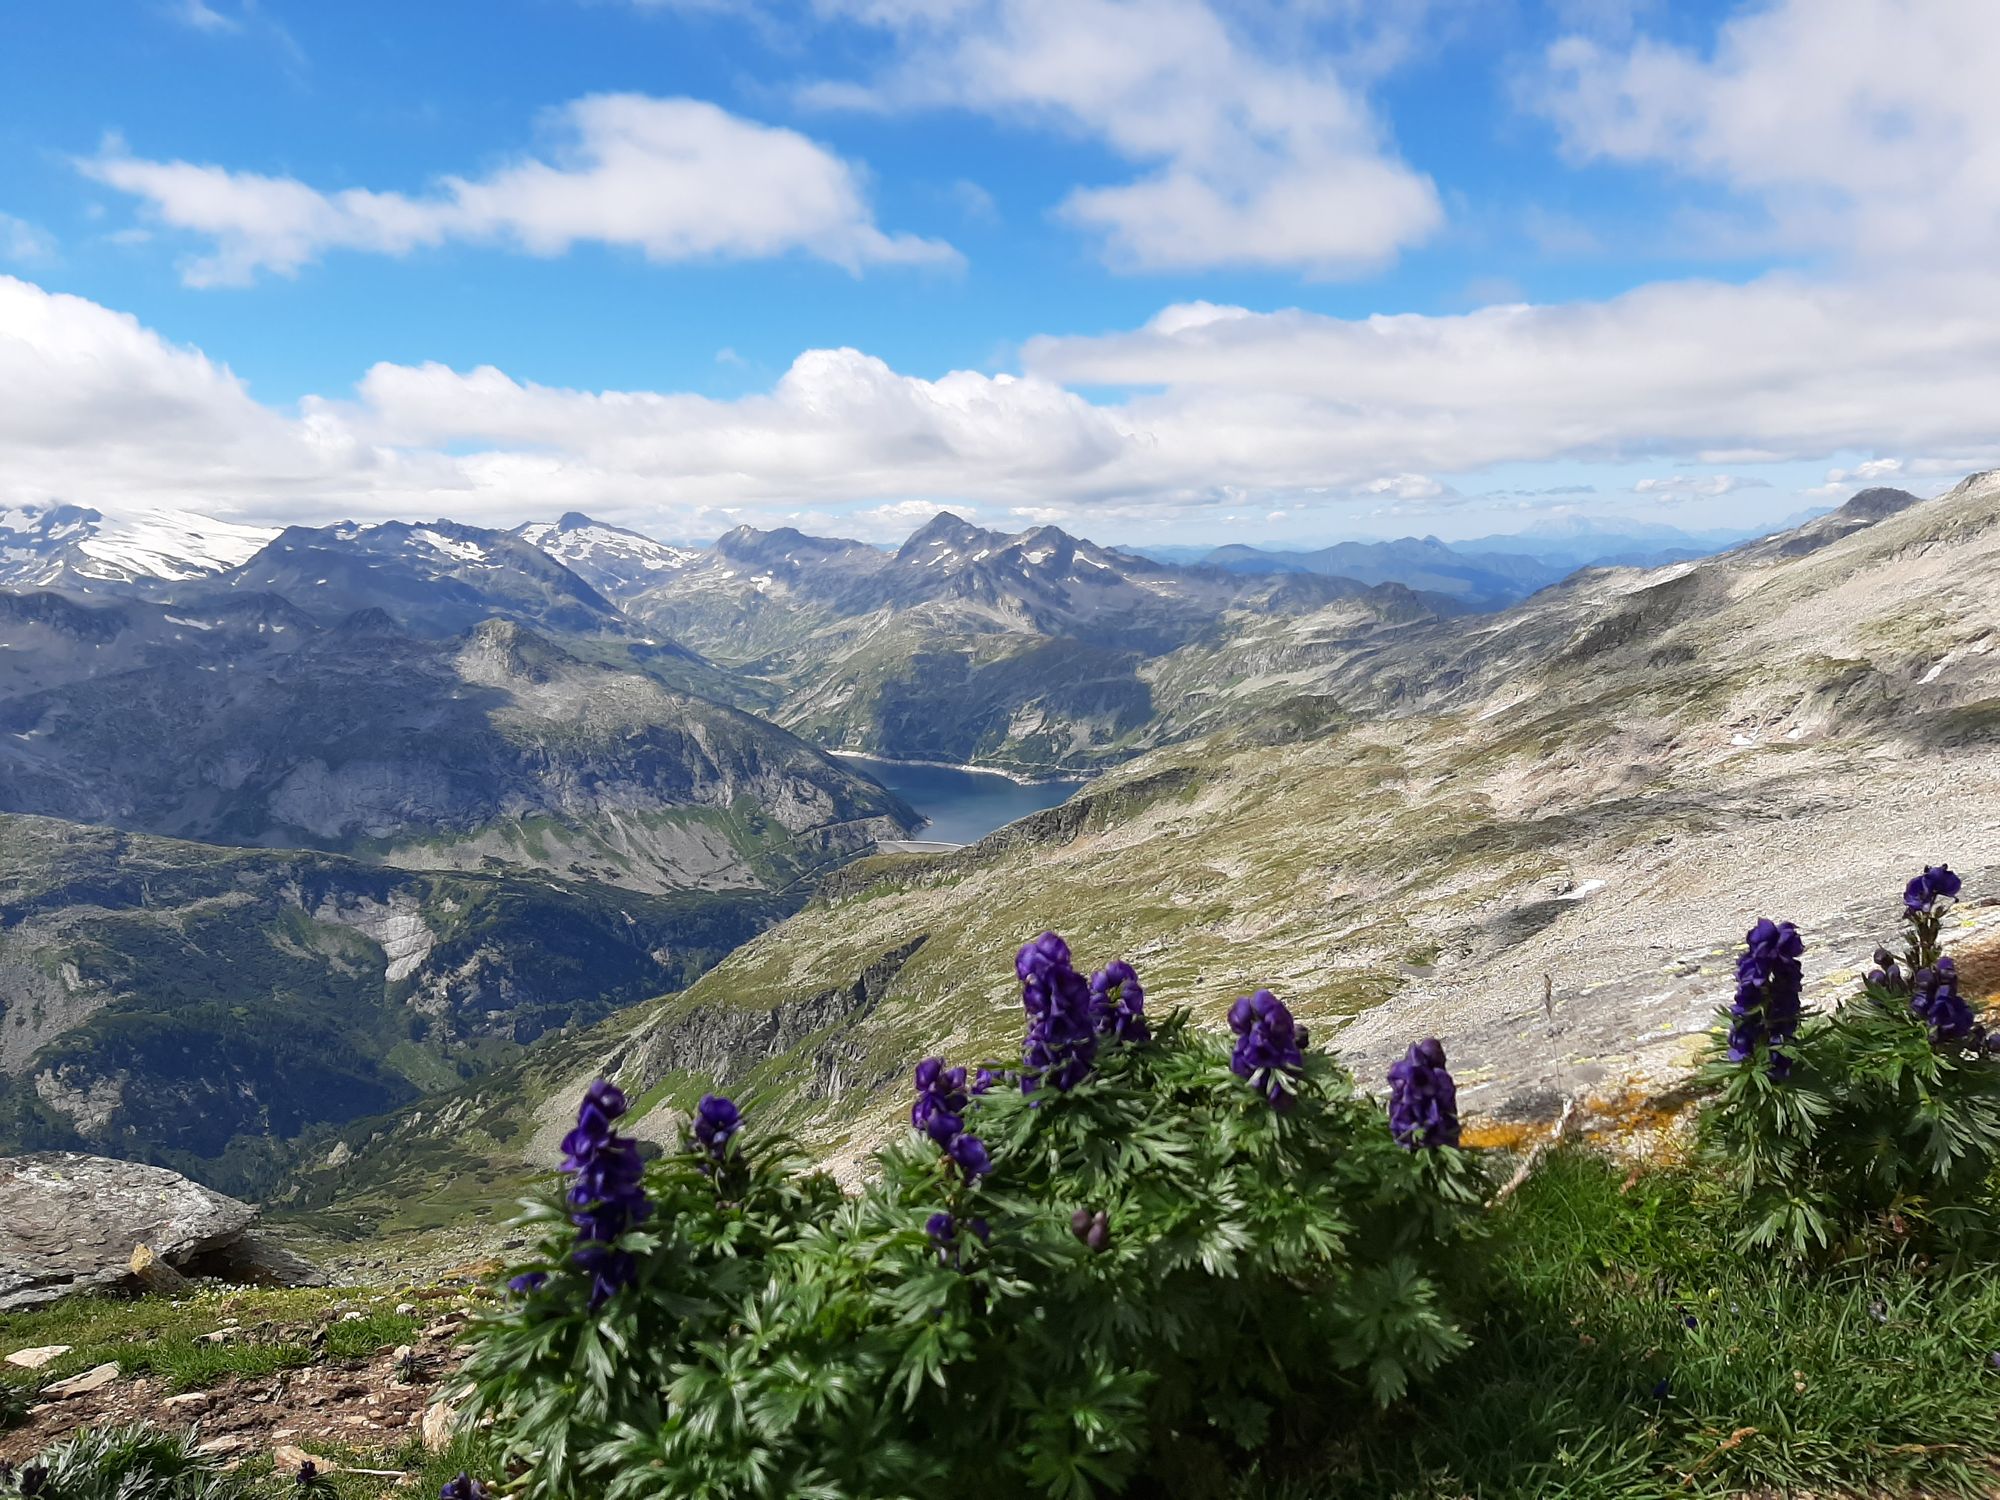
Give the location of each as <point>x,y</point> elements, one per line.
<point>516,840</point>
<point>495,750</point>
<point>197,1006</point>
<point>1402,834</point>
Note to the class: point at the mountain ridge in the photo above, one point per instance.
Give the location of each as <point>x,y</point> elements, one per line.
<point>1604,784</point>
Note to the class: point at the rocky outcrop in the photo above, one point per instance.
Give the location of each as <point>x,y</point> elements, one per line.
<point>74,1223</point>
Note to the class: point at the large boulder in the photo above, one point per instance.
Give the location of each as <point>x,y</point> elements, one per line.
<point>71,1223</point>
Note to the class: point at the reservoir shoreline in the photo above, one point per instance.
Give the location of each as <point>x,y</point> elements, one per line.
<point>1019,778</point>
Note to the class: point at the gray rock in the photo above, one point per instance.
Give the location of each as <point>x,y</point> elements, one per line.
<point>72,1223</point>
<point>82,1385</point>
<point>257,1260</point>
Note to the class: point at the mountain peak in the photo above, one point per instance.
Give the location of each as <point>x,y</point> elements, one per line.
<point>372,620</point>
<point>1875,504</point>
<point>942,533</point>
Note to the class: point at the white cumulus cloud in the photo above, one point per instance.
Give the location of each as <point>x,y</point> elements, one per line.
<point>1862,126</point>
<point>675,179</point>
<point>1233,410</point>
<point>1250,152</point>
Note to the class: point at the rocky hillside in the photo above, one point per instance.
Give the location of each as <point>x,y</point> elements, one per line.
<point>437,579</point>
<point>1588,797</point>
<point>190,1005</point>
<point>1033,652</point>
<point>498,750</point>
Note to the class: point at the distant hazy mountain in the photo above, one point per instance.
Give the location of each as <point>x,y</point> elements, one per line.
<point>1571,542</point>
<point>1491,572</point>
<point>75,547</point>
<point>1029,650</point>
<point>437,579</point>
<point>1476,580</point>
<point>616,562</point>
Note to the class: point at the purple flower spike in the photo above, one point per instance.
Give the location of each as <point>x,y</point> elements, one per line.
<point>970,1154</point>
<point>1769,979</point>
<point>1423,1098</point>
<point>1061,1044</point>
<point>716,1121</point>
<point>465,1487</point>
<point>1267,1046</point>
<point>1935,998</point>
<point>1118,1003</point>
<point>939,1110</point>
<point>607,1193</point>
<point>1046,952</point>
<point>939,1113</point>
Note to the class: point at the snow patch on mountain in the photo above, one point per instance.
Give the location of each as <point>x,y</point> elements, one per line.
<point>611,559</point>
<point>43,545</point>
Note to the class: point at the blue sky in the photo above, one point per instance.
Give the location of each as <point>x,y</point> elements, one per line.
<point>1160,270</point>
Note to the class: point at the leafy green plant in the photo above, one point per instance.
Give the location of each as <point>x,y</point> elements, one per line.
<point>1876,1124</point>
<point>121,1463</point>
<point>1138,1258</point>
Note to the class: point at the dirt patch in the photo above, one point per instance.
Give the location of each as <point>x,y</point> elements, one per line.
<point>373,1404</point>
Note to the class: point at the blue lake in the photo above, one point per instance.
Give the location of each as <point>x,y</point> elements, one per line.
<point>963,806</point>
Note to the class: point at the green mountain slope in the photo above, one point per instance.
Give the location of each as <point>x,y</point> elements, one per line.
<point>197,1006</point>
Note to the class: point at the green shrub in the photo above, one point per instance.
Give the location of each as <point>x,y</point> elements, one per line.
<point>1877,1125</point>
<point>1151,1262</point>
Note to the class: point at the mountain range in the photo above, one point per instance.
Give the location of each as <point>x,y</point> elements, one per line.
<point>1536,834</point>
<point>406,799</point>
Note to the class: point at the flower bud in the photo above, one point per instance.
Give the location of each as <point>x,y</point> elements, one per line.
<point>1099,1234</point>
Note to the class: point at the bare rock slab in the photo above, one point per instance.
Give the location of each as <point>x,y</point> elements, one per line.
<point>95,1379</point>
<point>69,1222</point>
<point>34,1359</point>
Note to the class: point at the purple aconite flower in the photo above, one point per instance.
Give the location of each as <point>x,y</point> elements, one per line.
<point>1934,997</point>
<point>1769,978</point>
<point>969,1153</point>
<point>1118,1003</point>
<point>1887,973</point>
<point>1061,1044</point>
<point>716,1121</point>
<point>1268,1051</point>
<point>1936,884</point>
<point>607,1194</point>
<point>939,1110</point>
<point>528,1281</point>
<point>1423,1098</point>
<point>465,1487</point>
<point>1045,952</point>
